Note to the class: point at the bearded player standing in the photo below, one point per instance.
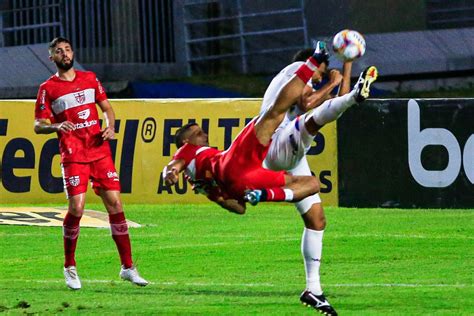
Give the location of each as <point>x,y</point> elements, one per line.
<point>66,104</point>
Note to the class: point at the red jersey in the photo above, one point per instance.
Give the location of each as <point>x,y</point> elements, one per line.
<point>199,161</point>
<point>233,171</point>
<point>75,101</point>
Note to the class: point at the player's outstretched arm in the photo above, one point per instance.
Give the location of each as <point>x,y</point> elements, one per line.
<point>172,170</point>
<point>218,195</point>
<point>313,99</point>
<point>346,78</point>
<point>233,206</point>
<point>108,132</point>
<point>44,126</point>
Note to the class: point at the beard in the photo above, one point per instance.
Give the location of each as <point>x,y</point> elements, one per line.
<point>63,66</point>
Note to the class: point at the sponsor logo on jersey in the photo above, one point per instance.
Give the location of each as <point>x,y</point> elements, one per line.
<point>74,181</point>
<point>112,175</point>
<point>80,97</point>
<point>43,97</point>
<point>85,124</point>
<point>84,114</point>
<point>101,89</point>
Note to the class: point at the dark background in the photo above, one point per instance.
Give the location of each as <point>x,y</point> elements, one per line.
<point>373,154</point>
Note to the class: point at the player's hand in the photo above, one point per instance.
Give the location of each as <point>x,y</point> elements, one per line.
<point>335,77</point>
<point>108,133</point>
<point>65,126</point>
<point>171,176</point>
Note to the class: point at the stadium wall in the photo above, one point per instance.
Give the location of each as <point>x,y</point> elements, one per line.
<point>30,164</point>
<point>407,153</point>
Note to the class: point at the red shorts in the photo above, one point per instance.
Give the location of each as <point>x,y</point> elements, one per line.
<point>101,172</point>
<point>241,168</point>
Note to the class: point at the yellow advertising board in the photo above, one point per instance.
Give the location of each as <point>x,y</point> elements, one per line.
<point>30,170</point>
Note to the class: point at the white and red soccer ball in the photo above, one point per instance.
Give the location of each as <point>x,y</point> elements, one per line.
<point>348,45</point>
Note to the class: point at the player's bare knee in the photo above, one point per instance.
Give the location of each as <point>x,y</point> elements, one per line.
<point>76,209</point>
<point>320,223</point>
<point>314,218</point>
<point>112,201</point>
<point>113,206</point>
<point>313,185</point>
<point>315,224</point>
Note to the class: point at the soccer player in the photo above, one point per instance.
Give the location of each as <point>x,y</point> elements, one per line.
<point>66,104</point>
<point>292,140</point>
<point>225,176</point>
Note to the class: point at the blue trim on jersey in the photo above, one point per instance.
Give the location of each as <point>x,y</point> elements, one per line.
<point>297,123</point>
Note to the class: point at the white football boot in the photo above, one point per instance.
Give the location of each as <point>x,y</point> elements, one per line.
<point>71,278</point>
<point>131,274</point>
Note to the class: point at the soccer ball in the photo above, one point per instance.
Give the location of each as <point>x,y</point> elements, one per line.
<point>348,45</point>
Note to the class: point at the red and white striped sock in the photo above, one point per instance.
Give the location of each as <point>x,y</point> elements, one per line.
<point>119,229</point>
<point>306,71</point>
<point>70,235</point>
<point>276,194</point>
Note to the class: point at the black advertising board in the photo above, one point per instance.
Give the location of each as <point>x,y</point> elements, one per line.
<point>407,153</point>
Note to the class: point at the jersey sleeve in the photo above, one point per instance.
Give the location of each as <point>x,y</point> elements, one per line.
<point>43,104</point>
<point>187,153</point>
<point>100,94</point>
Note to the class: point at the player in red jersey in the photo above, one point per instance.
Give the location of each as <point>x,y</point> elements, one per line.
<point>66,104</point>
<point>226,176</point>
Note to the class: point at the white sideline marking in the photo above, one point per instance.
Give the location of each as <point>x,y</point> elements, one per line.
<point>415,285</point>
<point>401,236</point>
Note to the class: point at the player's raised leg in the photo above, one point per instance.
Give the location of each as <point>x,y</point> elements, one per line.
<point>332,109</point>
<point>296,188</point>
<point>288,95</point>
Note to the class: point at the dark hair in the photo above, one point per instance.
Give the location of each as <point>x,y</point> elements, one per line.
<point>180,134</point>
<point>56,41</point>
<point>304,54</point>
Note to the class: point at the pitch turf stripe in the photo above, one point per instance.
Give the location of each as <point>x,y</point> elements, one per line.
<point>415,285</point>
<point>251,238</point>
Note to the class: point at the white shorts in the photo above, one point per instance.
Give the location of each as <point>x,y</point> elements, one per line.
<point>289,145</point>
<point>287,152</point>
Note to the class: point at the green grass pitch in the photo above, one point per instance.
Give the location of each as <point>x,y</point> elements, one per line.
<point>202,260</point>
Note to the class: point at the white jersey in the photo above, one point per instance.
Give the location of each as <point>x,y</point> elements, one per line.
<point>273,90</point>
<point>288,148</point>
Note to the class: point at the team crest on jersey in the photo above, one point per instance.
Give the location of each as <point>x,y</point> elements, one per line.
<point>80,97</point>
<point>74,181</point>
<point>84,114</point>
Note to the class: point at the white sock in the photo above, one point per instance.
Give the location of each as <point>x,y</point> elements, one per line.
<point>288,195</point>
<point>311,248</point>
<point>331,109</point>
